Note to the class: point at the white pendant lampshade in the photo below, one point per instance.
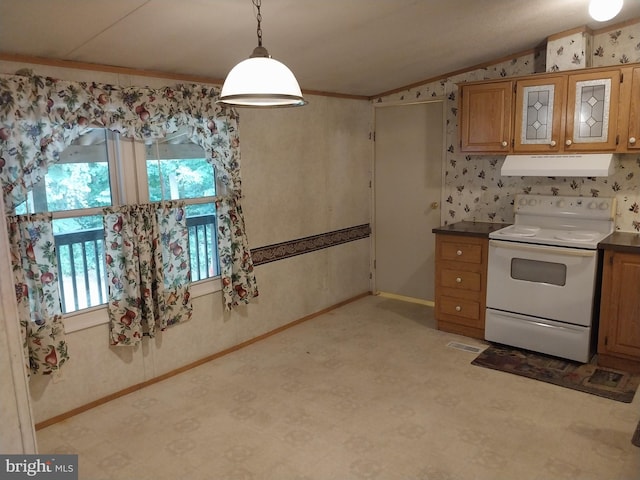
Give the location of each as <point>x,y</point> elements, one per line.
<point>603,10</point>
<point>261,81</point>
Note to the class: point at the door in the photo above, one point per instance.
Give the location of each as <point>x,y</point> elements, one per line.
<point>538,115</point>
<point>542,281</point>
<point>633,137</point>
<point>409,146</point>
<point>486,117</point>
<point>592,111</point>
<point>620,307</point>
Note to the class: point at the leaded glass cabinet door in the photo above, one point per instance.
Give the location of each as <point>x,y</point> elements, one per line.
<point>538,116</point>
<point>592,111</point>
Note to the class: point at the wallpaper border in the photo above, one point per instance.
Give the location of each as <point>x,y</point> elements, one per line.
<point>291,248</point>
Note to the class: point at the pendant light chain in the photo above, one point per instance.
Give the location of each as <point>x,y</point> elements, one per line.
<point>258,4</point>
<point>260,81</point>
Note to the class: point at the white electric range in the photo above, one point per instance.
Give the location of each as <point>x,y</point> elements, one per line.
<point>542,274</point>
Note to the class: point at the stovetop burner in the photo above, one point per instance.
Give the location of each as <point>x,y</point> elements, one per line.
<point>523,230</point>
<point>577,236</point>
<point>578,222</point>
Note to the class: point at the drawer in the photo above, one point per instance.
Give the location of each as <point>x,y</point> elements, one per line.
<point>460,280</point>
<point>459,307</point>
<point>461,252</point>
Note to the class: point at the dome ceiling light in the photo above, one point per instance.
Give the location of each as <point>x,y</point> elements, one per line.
<point>261,81</point>
<point>603,10</point>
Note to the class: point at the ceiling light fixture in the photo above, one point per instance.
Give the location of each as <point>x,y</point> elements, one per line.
<point>603,10</point>
<point>261,81</point>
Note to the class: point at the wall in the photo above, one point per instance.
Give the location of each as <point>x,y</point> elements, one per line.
<point>18,435</point>
<point>474,189</point>
<point>305,172</point>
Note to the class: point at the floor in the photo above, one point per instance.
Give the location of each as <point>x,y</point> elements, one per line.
<point>367,391</point>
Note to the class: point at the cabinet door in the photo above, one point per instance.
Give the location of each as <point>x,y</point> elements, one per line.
<point>539,114</point>
<point>620,319</point>
<point>485,117</point>
<point>633,138</point>
<point>592,111</point>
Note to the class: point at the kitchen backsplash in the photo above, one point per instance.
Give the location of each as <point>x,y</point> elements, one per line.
<point>473,188</point>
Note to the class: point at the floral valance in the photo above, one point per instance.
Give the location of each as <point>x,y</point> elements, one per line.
<point>41,116</point>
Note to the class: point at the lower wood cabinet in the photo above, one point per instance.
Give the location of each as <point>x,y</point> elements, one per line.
<point>619,331</point>
<point>461,284</point>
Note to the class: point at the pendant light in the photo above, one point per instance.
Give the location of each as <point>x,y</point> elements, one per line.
<point>261,81</point>
<point>603,10</point>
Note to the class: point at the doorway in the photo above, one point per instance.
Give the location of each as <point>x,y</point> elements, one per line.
<point>409,148</point>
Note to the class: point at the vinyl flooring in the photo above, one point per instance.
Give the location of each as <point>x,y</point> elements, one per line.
<point>371,390</point>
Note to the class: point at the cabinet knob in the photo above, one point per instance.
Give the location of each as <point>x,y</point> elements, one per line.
<point>458,308</point>
<point>459,252</point>
<point>504,143</point>
<point>568,142</point>
<point>632,140</point>
<point>553,143</point>
<point>458,280</point>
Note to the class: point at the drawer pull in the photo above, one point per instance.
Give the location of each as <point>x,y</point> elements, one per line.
<point>458,280</point>
<point>458,308</point>
<point>459,252</point>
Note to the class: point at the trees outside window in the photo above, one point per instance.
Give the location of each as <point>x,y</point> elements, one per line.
<point>95,172</point>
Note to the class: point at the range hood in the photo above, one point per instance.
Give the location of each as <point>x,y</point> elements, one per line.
<point>569,165</point>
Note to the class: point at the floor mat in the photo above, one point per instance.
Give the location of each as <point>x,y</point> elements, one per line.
<point>589,377</point>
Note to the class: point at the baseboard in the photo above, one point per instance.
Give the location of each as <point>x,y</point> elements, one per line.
<point>138,386</point>
<point>404,298</point>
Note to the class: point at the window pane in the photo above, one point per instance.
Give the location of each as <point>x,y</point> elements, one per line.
<point>201,222</point>
<point>178,171</point>
<point>81,267</point>
<point>538,271</point>
<point>79,180</point>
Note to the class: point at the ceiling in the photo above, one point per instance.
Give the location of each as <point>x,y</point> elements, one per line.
<point>356,47</point>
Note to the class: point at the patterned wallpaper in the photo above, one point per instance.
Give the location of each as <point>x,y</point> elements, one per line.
<point>617,46</point>
<point>473,188</point>
<point>570,52</point>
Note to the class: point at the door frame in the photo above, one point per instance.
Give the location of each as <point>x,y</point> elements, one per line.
<point>372,269</point>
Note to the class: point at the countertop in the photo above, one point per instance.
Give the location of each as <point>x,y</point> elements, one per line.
<point>470,229</point>
<point>621,242</point>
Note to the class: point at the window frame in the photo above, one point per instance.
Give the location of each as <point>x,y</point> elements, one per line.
<point>128,179</point>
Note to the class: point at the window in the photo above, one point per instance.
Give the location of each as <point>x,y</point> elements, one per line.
<point>176,169</point>
<point>97,171</point>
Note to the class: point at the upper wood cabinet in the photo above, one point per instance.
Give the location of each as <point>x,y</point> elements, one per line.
<point>486,117</point>
<point>592,111</point>
<point>552,113</point>
<point>631,140</point>
<point>539,119</point>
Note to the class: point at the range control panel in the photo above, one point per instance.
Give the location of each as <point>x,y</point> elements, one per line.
<point>555,205</point>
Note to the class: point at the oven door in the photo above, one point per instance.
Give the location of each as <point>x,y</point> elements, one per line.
<point>544,281</point>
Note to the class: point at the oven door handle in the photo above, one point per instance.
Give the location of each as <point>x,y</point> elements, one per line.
<point>542,248</point>
<point>557,327</point>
